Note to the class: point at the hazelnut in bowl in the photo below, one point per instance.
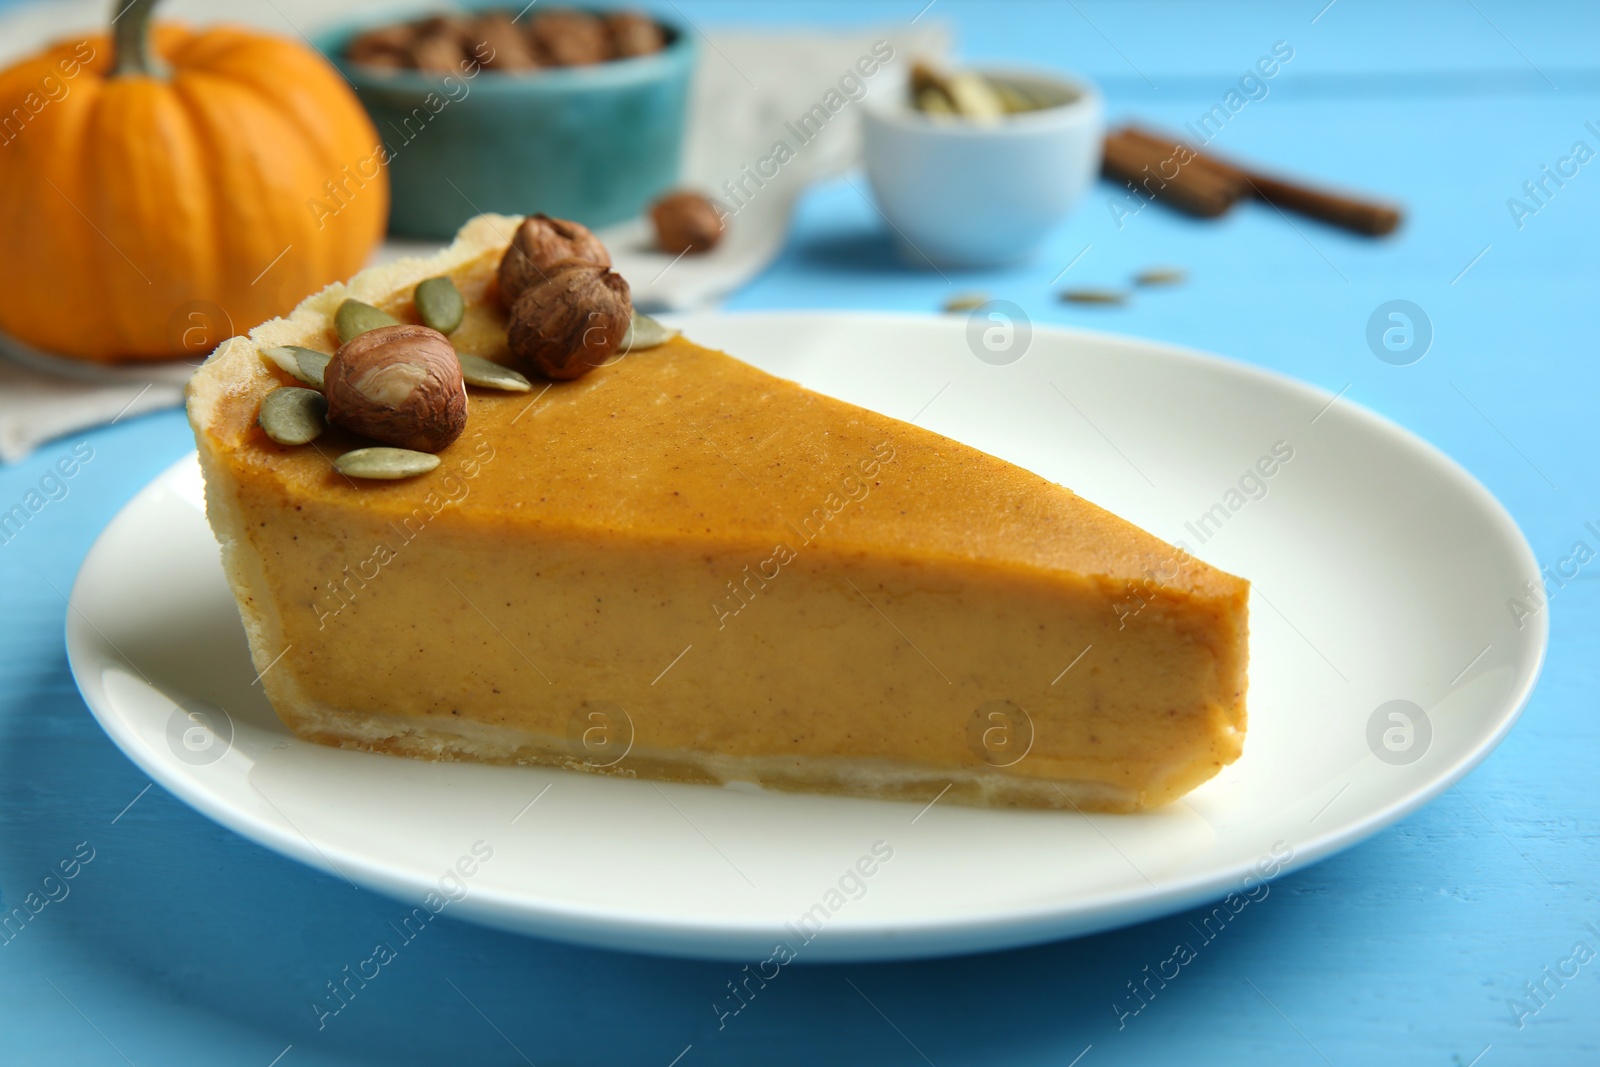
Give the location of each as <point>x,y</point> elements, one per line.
<point>577,112</point>
<point>976,168</point>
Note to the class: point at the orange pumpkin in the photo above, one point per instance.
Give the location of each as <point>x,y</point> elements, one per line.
<point>168,188</point>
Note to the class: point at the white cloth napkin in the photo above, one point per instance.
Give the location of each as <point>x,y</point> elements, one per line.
<point>748,87</point>
<point>42,401</point>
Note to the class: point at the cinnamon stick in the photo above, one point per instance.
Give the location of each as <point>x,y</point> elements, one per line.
<point>1156,169</point>
<point>1358,214</point>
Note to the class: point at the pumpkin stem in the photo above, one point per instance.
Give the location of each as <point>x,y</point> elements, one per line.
<point>130,38</point>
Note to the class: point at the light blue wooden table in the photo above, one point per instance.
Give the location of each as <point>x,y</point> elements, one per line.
<point>180,943</point>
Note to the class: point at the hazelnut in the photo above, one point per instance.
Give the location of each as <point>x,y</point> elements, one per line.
<point>396,37</point>
<point>455,27</point>
<point>686,222</point>
<point>508,49</point>
<point>566,38</point>
<point>437,53</point>
<point>380,59</point>
<point>539,244</point>
<point>570,321</point>
<point>388,46</point>
<point>400,385</point>
<point>634,34</point>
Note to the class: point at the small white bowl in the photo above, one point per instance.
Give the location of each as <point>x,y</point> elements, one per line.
<point>960,193</point>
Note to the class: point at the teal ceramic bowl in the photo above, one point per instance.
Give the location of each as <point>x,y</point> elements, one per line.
<point>596,144</point>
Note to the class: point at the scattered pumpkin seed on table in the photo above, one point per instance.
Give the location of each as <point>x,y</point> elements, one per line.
<point>966,302</point>
<point>303,364</point>
<point>385,464</point>
<point>355,318</point>
<point>1094,296</point>
<point>293,416</point>
<point>1161,276</point>
<point>487,374</point>
<point>439,304</point>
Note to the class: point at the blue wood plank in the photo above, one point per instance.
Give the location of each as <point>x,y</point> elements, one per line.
<point>180,943</point>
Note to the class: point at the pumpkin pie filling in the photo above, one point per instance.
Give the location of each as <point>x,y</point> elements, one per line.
<point>681,567</point>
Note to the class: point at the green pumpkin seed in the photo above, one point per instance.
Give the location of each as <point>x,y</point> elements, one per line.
<point>1094,296</point>
<point>385,464</point>
<point>645,332</point>
<point>974,96</point>
<point>1161,276</point>
<point>934,102</point>
<point>487,374</point>
<point>439,304</point>
<point>1014,97</point>
<point>966,302</point>
<point>303,364</point>
<point>293,416</point>
<point>355,318</point>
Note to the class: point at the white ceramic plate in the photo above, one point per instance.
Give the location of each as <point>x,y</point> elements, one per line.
<point>1381,574</point>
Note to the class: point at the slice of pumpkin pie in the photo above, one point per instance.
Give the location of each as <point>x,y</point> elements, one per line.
<point>677,566</point>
